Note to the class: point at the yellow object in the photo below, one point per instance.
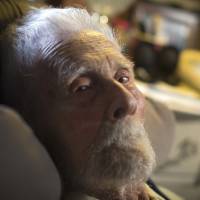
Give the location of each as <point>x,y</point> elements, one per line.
<point>154,196</point>
<point>189,67</point>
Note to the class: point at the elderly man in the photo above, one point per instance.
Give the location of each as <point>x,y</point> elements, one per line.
<point>66,75</point>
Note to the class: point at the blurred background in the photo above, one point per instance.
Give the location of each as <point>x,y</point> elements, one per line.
<point>162,38</point>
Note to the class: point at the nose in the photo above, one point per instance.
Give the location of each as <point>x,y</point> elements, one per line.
<point>123,103</point>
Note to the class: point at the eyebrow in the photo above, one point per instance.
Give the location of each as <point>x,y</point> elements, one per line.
<point>128,64</point>
<point>71,74</point>
<point>125,63</point>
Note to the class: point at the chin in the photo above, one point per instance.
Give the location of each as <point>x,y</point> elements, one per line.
<point>121,159</point>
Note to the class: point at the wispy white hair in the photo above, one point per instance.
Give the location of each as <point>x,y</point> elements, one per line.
<point>46,26</point>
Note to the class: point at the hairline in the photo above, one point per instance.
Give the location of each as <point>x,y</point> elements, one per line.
<point>50,27</point>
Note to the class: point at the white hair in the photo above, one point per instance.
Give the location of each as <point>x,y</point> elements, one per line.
<point>47,26</point>
<point>38,32</point>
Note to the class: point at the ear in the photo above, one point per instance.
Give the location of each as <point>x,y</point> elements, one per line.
<point>160,125</point>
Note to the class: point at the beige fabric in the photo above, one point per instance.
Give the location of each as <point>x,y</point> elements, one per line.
<point>26,170</point>
<point>160,125</point>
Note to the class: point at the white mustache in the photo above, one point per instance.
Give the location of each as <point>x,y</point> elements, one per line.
<point>120,134</point>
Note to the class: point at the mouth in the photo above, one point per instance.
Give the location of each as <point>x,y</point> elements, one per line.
<point>114,147</point>
<point>121,144</point>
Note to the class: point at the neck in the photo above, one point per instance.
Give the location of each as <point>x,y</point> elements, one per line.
<point>129,192</point>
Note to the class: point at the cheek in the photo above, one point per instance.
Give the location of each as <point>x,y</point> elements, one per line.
<point>86,119</point>
<point>83,125</point>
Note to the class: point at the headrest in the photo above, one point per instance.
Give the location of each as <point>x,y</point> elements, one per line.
<point>26,172</point>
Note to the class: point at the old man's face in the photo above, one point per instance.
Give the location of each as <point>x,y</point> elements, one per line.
<point>92,114</point>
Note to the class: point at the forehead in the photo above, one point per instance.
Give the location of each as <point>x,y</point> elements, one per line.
<point>93,47</point>
<point>88,50</point>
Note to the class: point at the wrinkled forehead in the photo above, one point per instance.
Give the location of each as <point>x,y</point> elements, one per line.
<point>92,39</point>
<point>88,50</point>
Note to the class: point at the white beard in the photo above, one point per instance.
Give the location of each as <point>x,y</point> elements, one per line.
<point>122,154</point>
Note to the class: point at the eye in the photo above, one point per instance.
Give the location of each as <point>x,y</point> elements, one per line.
<point>123,76</point>
<point>82,88</point>
<point>123,79</point>
<point>81,84</point>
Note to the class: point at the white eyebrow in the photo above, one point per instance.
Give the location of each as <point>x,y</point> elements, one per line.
<point>72,72</point>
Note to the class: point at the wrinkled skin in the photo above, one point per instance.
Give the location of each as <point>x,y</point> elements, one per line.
<point>73,109</point>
